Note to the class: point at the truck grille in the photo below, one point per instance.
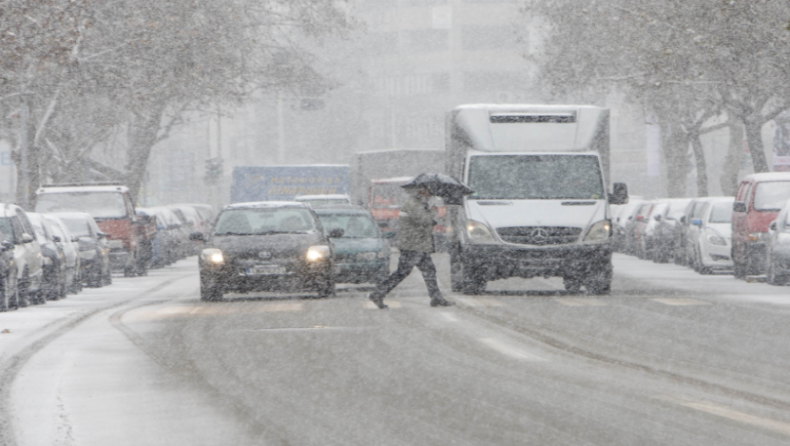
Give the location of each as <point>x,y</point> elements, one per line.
<point>540,235</point>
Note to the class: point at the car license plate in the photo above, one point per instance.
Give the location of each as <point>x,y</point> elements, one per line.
<point>266,269</point>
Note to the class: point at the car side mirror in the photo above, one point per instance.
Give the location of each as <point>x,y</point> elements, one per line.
<point>739,206</point>
<point>683,220</point>
<point>75,239</point>
<point>197,237</point>
<point>27,238</point>
<point>772,226</point>
<point>389,234</point>
<point>56,239</point>
<point>619,194</point>
<point>100,235</point>
<point>336,233</point>
<point>657,218</point>
<point>697,222</point>
<point>6,245</point>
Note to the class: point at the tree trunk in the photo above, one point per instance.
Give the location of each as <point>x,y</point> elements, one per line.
<point>699,161</point>
<point>143,130</point>
<point>27,167</point>
<point>732,163</point>
<point>753,128</point>
<point>675,149</point>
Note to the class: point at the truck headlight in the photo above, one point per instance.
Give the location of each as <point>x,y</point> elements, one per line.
<point>714,238</point>
<point>599,231</point>
<point>478,232</point>
<point>317,253</point>
<point>212,255</point>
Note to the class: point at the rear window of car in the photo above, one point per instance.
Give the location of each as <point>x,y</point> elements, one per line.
<point>771,196</point>
<point>77,227</point>
<point>265,221</point>
<point>721,213</point>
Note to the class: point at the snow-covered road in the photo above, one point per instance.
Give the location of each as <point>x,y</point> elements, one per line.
<point>671,357</point>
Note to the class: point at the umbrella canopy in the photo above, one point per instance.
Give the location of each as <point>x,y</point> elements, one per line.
<point>451,190</point>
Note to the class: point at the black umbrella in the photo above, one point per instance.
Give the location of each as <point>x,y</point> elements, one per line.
<point>451,190</point>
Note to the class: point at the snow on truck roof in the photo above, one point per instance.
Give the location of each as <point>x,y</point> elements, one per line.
<point>76,188</point>
<point>321,197</point>
<point>391,180</point>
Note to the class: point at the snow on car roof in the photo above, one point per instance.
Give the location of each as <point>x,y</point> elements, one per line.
<point>72,189</point>
<point>321,197</point>
<point>768,176</point>
<point>266,204</point>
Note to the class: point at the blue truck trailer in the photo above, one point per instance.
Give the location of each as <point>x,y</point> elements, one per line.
<point>282,183</point>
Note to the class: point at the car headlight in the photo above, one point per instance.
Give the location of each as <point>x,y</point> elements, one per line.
<point>317,253</point>
<point>714,238</point>
<point>212,255</point>
<point>599,231</point>
<point>478,232</point>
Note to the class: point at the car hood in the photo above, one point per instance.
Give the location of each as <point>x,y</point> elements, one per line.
<point>346,246</point>
<point>276,244</point>
<point>509,213</point>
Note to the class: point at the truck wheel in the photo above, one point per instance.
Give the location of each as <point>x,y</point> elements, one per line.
<point>461,279</point>
<point>572,284</point>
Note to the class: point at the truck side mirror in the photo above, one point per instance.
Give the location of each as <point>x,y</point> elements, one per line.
<point>739,206</point>
<point>619,194</point>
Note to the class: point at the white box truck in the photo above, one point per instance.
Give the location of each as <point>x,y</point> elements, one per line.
<point>541,204</point>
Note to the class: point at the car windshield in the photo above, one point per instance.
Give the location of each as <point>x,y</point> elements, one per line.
<point>721,213</point>
<point>6,231</point>
<point>354,225</point>
<point>98,204</point>
<point>265,221</point>
<point>77,227</point>
<point>531,177</point>
<point>770,196</point>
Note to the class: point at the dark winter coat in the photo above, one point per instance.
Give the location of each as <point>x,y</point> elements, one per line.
<point>415,226</point>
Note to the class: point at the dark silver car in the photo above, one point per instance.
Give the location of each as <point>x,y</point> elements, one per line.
<point>266,246</point>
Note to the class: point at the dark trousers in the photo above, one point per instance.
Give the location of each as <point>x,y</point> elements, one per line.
<point>407,261</point>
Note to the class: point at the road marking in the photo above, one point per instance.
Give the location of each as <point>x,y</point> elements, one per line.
<point>449,317</point>
<point>681,302</point>
<point>507,350</point>
<point>481,302</point>
<point>582,302</point>
<point>732,414</point>
<point>390,303</point>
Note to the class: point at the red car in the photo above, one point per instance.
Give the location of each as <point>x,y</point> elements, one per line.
<point>758,201</point>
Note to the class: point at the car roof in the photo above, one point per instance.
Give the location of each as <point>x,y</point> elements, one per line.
<point>85,188</point>
<point>72,215</point>
<point>9,209</point>
<point>267,205</point>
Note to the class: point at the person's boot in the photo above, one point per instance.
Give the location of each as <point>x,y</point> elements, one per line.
<point>441,302</point>
<point>379,301</point>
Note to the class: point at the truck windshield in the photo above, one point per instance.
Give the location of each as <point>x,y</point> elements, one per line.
<point>535,177</point>
<point>98,204</point>
<point>770,196</point>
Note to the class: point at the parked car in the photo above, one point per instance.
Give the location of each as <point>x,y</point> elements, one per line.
<point>53,260</point>
<point>664,234</point>
<point>778,250</point>
<point>323,200</point>
<point>636,235</point>
<point>9,296</point>
<point>94,253</point>
<point>758,201</point>
<point>681,233</point>
<point>27,253</point>
<point>71,249</point>
<point>111,205</point>
<point>361,253</point>
<point>190,221</point>
<point>694,232</point>
<point>631,227</point>
<point>266,246</point>
<point>711,249</point>
<point>624,214</point>
<point>648,236</point>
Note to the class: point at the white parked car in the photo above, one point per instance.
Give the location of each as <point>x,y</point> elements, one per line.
<point>71,250</point>
<point>711,249</point>
<point>15,225</point>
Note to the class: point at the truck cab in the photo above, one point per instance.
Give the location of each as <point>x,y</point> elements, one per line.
<point>111,205</point>
<point>540,206</point>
